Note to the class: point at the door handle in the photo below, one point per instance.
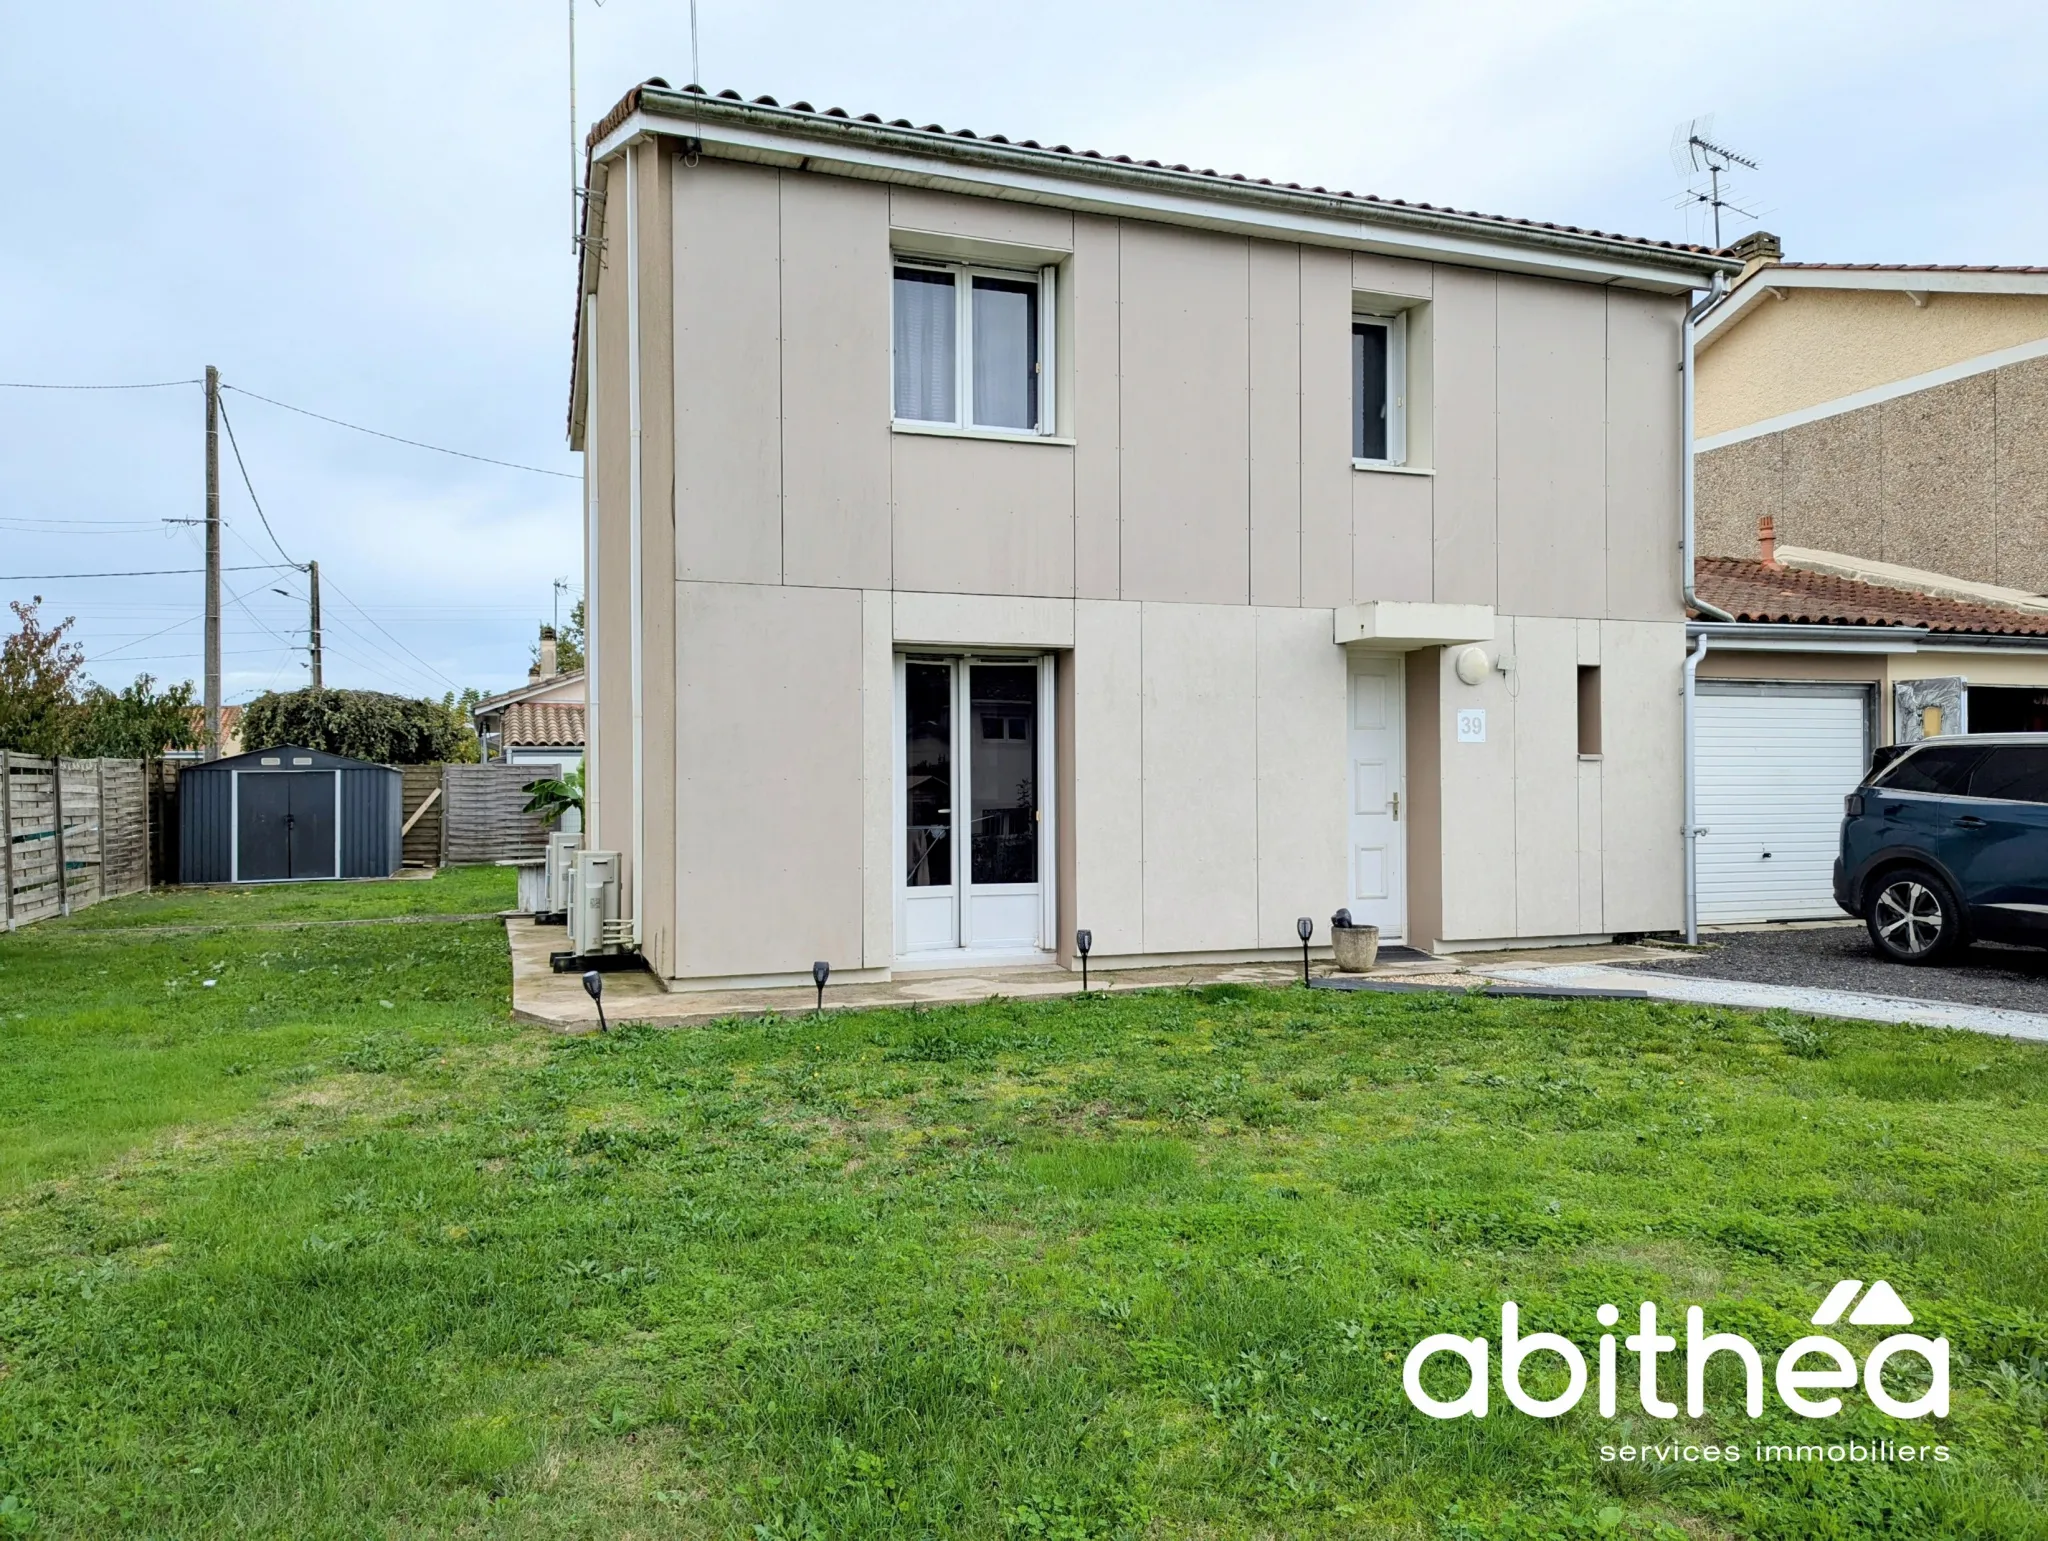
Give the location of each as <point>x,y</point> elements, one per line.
<point>1394,806</point>
<point>1969,821</point>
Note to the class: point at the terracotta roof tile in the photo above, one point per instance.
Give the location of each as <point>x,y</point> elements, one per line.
<point>543,725</point>
<point>1751,591</point>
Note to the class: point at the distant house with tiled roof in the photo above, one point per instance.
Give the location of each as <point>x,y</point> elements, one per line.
<point>1872,491</point>
<point>542,722</point>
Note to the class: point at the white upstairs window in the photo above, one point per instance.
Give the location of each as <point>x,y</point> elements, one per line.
<point>1379,389</point>
<point>972,347</point>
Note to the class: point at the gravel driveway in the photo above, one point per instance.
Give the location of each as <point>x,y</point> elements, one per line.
<point>1841,958</point>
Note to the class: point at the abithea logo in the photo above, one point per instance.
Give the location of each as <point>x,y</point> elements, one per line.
<point>1880,1306</point>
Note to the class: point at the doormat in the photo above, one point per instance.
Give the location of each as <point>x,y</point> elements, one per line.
<point>1395,953</point>
<point>1525,992</point>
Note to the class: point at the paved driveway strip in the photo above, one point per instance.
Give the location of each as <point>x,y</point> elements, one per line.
<point>1664,985</point>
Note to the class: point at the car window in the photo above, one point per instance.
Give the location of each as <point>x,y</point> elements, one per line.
<point>2018,773</point>
<point>1940,768</point>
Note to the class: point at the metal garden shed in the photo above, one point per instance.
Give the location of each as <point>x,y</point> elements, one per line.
<point>287,815</point>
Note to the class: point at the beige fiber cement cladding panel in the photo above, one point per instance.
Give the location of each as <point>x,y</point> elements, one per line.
<point>1643,468</point>
<point>611,611</point>
<point>1275,416</point>
<point>1642,775</point>
<point>1553,470</point>
<point>835,381</point>
<point>1479,801</point>
<point>1325,427</point>
<point>1107,815</point>
<point>978,516</point>
<point>878,778</point>
<point>729,387</point>
<point>1391,536</point>
<point>1301,769</point>
<point>1464,319</point>
<point>1185,514</point>
<point>1201,772</point>
<point>981,219</point>
<point>1819,345</point>
<point>1095,407</point>
<point>1398,276</point>
<point>982,620</point>
<point>1547,841</point>
<point>769,794</point>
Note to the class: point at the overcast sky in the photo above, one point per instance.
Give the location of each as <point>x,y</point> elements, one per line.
<point>363,209</point>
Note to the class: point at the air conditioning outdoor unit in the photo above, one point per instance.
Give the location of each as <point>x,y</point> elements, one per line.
<point>562,849</point>
<point>594,924</point>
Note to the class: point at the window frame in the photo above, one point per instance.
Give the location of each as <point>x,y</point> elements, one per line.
<point>964,273</point>
<point>1396,323</point>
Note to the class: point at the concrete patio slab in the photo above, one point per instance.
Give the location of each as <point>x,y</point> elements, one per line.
<point>548,999</point>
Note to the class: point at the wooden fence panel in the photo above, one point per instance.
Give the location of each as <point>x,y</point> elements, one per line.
<point>77,832</point>
<point>423,791</point>
<point>484,822</point>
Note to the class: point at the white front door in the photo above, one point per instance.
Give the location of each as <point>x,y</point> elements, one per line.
<point>1378,847</point>
<point>970,815</point>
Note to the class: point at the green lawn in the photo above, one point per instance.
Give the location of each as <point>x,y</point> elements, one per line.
<point>331,1248</point>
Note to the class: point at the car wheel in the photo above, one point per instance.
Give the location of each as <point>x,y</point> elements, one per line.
<point>1913,917</point>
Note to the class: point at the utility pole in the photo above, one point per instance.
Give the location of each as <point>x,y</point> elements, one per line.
<point>212,563</point>
<point>313,573</point>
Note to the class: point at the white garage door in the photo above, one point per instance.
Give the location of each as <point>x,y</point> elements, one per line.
<point>1773,765</point>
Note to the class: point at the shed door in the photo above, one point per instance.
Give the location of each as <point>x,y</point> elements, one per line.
<point>284,825</point>
<point>1774,762</point>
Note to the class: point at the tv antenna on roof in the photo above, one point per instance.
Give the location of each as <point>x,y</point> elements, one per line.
<point>1696,154</point>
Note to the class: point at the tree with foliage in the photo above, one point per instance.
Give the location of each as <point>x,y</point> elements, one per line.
<point>362,724</point>
<point>39,668</point>
<point>137,723</point>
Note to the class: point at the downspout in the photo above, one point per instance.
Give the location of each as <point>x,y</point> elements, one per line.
<point>635,642</point>
<point>593,608</point>
<point>1692,792</point>
<point>1693,603</point>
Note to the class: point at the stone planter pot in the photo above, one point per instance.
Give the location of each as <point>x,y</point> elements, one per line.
<point>1357,947</point>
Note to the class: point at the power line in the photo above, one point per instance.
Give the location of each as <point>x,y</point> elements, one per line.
<point>142,385</point>
<point>267,530</point>
<point>145,572</point>
<point>378,433</point>
<point>359,610</point>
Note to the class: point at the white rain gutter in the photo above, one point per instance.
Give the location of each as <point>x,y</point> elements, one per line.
<point>634,640</point>
<point>1692,791</point>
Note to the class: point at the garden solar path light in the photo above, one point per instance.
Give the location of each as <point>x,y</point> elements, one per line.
<point>1083,940</point>
<point>1304,928</point>
<point>593,985</point>
<point>820,972</point>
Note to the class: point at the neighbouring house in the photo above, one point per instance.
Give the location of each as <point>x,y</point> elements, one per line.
<point>988,541</point>
<point>1872,480</point>
<point>230,734</point>
<point>540,723</point>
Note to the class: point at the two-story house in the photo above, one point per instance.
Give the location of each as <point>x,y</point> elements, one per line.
<point>1872,466</point>
<point>989,540</point>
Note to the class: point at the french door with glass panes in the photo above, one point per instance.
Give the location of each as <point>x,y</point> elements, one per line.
<point>971,827</point>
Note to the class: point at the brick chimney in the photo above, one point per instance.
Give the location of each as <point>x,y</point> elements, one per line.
<point>1758,249</point>
<point>548,667</point>
<point>1767,541</point>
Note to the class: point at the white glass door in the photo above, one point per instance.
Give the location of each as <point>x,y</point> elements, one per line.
<point>970,814</point>
<point>1379,882</point>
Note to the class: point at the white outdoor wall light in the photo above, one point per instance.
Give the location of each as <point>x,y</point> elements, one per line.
<point>1473,665</point>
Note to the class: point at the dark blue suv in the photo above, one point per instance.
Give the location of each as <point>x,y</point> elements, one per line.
<point>1946,842</point>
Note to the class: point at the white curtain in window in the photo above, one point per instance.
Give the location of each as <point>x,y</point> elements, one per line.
<point>1006,353</point>
<point>926,321</point>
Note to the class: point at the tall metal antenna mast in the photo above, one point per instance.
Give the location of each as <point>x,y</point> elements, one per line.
<point>575,137</point>
<point>1695,154</point>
